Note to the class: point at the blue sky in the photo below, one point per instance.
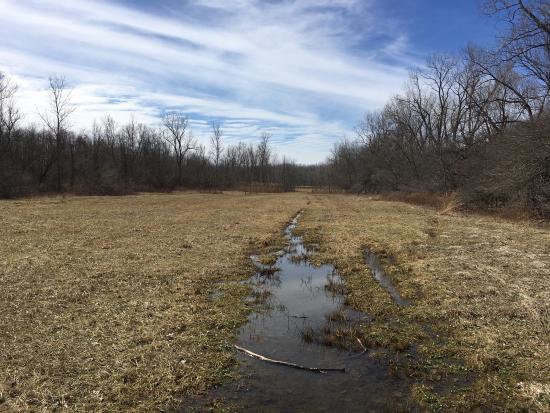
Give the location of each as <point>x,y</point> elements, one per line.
<point>303,70</point>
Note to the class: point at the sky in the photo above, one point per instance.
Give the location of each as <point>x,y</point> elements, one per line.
<point>304,71</point>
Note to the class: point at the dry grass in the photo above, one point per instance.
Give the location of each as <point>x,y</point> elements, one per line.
<point>480,294</point>
<point>262,187</point>
<point>130,303</point>
<point>125,303</point>
<point>439,201</point>
<point>454,202</point>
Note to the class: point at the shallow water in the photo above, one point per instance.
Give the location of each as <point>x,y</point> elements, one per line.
<point>298,301</point>
<point>373,262</point>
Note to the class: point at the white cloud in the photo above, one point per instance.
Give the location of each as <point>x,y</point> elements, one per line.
<point>288,66</point>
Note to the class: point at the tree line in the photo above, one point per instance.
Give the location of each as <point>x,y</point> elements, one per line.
<point>477,123</point>
<point>118,159</point>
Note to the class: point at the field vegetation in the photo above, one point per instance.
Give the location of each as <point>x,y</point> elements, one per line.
<point>125,303</point>
<point>476,333</point>
<point>131,303</point>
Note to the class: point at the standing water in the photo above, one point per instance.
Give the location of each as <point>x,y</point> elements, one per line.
<point>306,322</point>
<point>373,262</point>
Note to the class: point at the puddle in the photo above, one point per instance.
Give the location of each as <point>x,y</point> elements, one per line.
<point>304,311</point>
<point>373,262</point>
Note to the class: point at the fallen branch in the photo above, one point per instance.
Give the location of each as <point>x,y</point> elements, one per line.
<point>362,345</point>
<point>285,363</point>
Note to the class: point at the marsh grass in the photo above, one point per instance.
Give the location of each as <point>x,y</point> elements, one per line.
<point>345,336</point>
<point>337,316</point>
<point>340,335</point>
<point>335,286</point>
<point>260,297</point>
<point>337,331</point>
<point>308,334</point>
<point>269,272</point>
<point>297,259</point>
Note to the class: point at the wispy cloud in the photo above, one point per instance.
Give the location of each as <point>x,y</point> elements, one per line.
<point>291,67</point>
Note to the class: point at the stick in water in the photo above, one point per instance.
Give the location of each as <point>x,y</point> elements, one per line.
<point>285,363</point>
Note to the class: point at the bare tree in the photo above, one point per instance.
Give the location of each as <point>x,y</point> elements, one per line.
<point>176,125</point>
<point>7,88</point>
<point>10,114</point>
<point>56,119</point>
<point>216,150</point>
<point>11,117</point>
<point>532,16</point>
<point>264,157</point>
<point>521,63</point>
<point>127,141</point>
<point>108,132</point>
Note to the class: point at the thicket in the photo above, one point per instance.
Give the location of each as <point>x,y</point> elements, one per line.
<point>477,124</point>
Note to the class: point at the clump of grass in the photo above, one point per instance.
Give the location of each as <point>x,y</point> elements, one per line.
<point>337,332</point>
<point>298,258</point>
<point>308,334</point>
<point>343,336</point>
<point>268,272</point>
<point>431,232</point>
<point>337,316</point>
<point>335,286</point>
<point>260,296</point>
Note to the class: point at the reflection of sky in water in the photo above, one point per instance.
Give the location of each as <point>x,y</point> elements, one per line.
<point>298,300</point>
<point>373,262</point>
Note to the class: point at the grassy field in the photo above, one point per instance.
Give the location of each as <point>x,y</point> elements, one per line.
<point>106,303</point>
<point>477,332</point>
<point>130,303</point>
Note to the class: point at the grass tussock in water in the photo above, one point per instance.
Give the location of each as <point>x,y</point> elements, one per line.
<point>338,332</point>
<point>107,302</point>
<point>479,289</point>
<point>335,286</point>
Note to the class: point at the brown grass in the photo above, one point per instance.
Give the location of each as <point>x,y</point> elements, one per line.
<point>125,303</point>
<point>261,187</point>
<point>441,201</point>
<point>480,294</point>
<point>130,303</point>
<point>452,202</point>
